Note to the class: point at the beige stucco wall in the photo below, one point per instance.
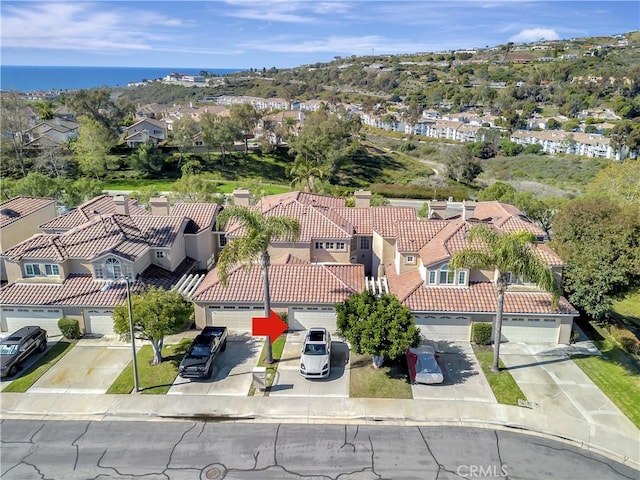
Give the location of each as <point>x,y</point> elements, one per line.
<point>383,251</point>
<point>200,247</point>
<point>565,329</point>
<point>25,227</point>
<point>299,250</point>
<point>200,315</point>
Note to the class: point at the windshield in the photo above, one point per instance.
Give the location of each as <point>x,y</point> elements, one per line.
<point>315,349</point>
<point>8,349</point>
<point>200,351</point>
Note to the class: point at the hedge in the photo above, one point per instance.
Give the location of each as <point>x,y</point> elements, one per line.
<point>481,333</point>
<point>69,327</point>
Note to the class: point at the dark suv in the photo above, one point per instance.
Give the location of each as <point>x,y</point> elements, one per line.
<point>19,346</point>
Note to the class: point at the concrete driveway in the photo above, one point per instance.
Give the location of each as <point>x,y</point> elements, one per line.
<point>289,383</point>
<point>463,377</point>
<point>231,370</point>
<point>5,381</point>
<point>557,386</point>
<point>89,367</point>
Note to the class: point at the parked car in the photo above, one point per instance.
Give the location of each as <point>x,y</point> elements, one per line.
<point>19,346</point>
<point>198,361</point>
<point>315,361</point>
<point>424,366</point>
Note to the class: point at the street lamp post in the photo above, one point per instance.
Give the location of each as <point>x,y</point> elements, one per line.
<point>133,338</point>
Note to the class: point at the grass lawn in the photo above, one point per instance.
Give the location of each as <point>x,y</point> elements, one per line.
<point>617,374</point>
<point>276,349</point>
<point>389,381</point>
<point>153,379</point>
<point>629,308</point>
<point>39,368</point>
<point>504,387</point>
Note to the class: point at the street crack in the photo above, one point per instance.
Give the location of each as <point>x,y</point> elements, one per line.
<point>74,444</point>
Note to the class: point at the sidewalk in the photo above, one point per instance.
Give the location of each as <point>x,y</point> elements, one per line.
<point>54,406</point>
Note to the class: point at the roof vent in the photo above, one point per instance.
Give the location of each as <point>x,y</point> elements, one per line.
<point>9,212</point>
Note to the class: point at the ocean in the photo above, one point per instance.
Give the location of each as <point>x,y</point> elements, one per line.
<point>40,78</point>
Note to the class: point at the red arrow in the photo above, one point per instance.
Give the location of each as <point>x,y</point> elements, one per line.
<point>271,327</point>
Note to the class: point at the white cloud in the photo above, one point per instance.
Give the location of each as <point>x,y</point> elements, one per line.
<point>534,34</point>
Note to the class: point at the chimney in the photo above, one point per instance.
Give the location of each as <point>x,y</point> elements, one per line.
<point>437,209</point>
<point>363,198</point>
<point>241,196</point>
<point>159,205</point>
<point>468,209</point>
<point>121,202</point>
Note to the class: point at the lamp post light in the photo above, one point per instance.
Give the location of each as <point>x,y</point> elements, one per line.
<point>133,338</point>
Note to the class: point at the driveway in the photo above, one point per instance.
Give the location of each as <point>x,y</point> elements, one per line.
<point>557,386</point>
<point>89,367</point>
<point>26,365</point>
<point>463,377</point>
<point>289,383</point>
<point>231,370</point>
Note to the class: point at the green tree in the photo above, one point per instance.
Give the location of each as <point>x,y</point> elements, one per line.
<point>507,252</point>
<point>379,326</point>
<point>253,246</point>
<point>510,149</point>
<point>307,174</point>
<point>619,181</point>
<point>13,122</point>
<point>81,190</point>
<point>95,104</point>
<point>92,147</point>
<point>46,109</point>
<point>38,185</point>
<point>461,165</point>
<point>245,117</point>
<point>599,240</point>
<point>147,159</point>
<point>500,191</point>
<point>184,129</point>
<point>219,133</point>
<point>156,313</point>
<point>201,187</point>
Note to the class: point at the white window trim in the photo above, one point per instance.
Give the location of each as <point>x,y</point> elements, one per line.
<point>222,240</point>
<point>32,266</point>
<point>53,267</point>
<point>410,259</point>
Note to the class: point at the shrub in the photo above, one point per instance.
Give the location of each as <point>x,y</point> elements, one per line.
<point>574,335</point>
<point>481,333</point>
<point>69,327</point>
<point>626,339</point>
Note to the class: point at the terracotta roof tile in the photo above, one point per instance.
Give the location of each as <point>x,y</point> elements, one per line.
<point>302,198</point>
<point>19,207</point>
<point>158,230</point>
<point>291,283</point>
<point>413,235</point>
<point>445,243</point>
<point>383,220</point>
<point>101,205</point>
<point>506,217</point>
<point>202,215</point>
<point>481,297</point>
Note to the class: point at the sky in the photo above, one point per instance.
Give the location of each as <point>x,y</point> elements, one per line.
<point>284,33</point>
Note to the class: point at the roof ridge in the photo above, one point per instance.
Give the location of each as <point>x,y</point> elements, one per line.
<point>341,227</point>
<point>326,267</point>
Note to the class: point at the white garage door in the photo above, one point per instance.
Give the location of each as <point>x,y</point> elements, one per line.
<point>98,322</point>
<point>235,318</point>
<point>15,318</point>
<point>303,318</point>
<point>530,330</point>
<point>444,327</point>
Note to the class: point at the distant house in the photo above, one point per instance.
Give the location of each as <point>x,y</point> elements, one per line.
<point>51,133</point>
<point>145,130</point>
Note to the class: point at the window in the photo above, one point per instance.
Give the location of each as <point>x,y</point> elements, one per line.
<point>159,254</point>
<point>447,277</point>
<point>364,243</point>
<point>462,277</point>
<point>319,245</point>
<point>32,269</point>
<point>329,245</point>
<point>52,270</point>
<point>112,268</point>
<point>222,240</point>
<point>411,259</point>
<point>340,246</point>
<point>432,277</point>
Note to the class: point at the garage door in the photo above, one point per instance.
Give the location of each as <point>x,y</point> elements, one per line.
<point>98,322</point>
<point>444,327</point>
<point>303,318</point>
<point>15,318</point>
<point>235,318</point>
<point>530,330</point>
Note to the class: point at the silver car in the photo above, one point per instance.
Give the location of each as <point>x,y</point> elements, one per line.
<point>315,361</point>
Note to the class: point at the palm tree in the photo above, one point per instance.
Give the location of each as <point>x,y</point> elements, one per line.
<point>306,173</point>
<point>258,233</point>
<point>513,253</point>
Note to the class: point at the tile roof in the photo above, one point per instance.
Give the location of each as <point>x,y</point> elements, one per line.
<point>382,220</point>
<point>506,217</point>
<point>84,291</point>
<point>413,235</point>
<point>447,241</point>
<point>17,208</point>
<point>158,230</point>
<point>101,205</point>
<point>480,297</point>
<point>290,283</point>
<point>302,198</point>
<point>202,215</point>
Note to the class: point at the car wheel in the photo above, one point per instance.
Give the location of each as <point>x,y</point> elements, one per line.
<point>13,370</point>
<point>224,346</point>
<point>43,346</point>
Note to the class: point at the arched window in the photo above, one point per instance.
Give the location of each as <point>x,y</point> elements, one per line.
<point>112,268</point>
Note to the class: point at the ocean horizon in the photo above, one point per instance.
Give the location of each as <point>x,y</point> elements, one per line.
<point>29,78</point>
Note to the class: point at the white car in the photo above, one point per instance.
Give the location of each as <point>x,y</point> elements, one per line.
<point>424,366</point>
<point>315,358</point>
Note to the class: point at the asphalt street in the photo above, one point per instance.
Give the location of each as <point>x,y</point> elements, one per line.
<point>207,450</point>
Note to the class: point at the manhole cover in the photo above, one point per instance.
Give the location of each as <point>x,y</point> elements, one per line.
<point>213,472</point>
